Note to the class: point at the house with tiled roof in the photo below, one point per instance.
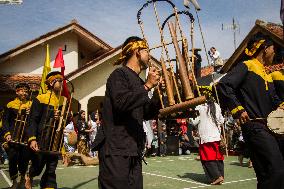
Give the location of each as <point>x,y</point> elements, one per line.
<point>275,31</point>
<point>88,63</point>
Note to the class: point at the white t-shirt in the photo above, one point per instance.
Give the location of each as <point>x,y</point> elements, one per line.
<point>94,132</point>
<point>216,59</point>
<point>207,129</point>
<point>67,129</point>
<point>149,132</point>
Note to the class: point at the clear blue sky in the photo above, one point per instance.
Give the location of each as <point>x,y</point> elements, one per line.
<point>115,20</point>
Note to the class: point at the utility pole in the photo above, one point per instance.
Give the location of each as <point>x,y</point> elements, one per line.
<point>235,27</point>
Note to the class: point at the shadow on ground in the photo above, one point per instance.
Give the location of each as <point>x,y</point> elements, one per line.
<point>195,176</point>
<point>238,164</point>
<point>80,184</point>
<point>36,183</point>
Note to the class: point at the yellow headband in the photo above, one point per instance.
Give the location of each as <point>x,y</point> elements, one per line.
<point>205,90</point>
<point>53,77</point>
<point>130,48</point>
<point>22,88</point>
<point>254,48</point>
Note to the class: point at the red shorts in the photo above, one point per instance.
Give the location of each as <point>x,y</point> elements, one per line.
<point>210,151</point>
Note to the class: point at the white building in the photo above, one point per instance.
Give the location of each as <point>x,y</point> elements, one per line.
<point>88,62</point>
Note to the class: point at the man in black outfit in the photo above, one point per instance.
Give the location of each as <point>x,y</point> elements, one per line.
<point>15,112</point>
<point>248,92</point>
<point>126,105</point>
<point>44,113</point>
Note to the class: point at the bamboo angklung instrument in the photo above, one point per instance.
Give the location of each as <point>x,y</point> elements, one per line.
<point>51,140</point>
<point>182,67</point>
<point>184,64</point>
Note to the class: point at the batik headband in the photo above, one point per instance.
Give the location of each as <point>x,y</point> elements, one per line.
<point>54,77</point>
<point>22,88</point>
<point>129,49</point>
<point>254,48</point>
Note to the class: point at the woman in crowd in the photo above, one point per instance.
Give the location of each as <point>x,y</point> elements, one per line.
<point>94,121</point>
<point>69,130</point>
<point>83,134</point>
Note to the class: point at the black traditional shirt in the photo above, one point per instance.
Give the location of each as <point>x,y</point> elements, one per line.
<point>247,87</point>
<point>126,105</point>
<point>13,108</point>
<point>41,117</point>
<point>278,80</point>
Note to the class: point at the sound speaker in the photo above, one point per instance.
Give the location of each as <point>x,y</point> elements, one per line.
<point>172,145</point>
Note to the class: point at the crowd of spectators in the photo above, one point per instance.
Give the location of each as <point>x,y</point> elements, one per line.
<point>186,131</point>
<point>157,132</point>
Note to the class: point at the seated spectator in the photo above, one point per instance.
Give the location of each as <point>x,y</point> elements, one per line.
<point>67,130</point>
<point>217,61</point>
<point>195,136</point>
<point>69,134</point>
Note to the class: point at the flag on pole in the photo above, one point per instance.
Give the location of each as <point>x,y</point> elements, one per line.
<point>59,63</point>
<point>282,12</point>
<point>45,71</point>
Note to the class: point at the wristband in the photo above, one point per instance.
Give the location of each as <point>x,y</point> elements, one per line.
<point>147,88</point>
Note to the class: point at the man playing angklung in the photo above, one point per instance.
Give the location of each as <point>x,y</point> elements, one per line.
<point>248,92</point>
<point>126,105</point>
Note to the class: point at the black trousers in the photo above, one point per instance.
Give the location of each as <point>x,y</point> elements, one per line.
<point>48,179</point>
<point>117,172</point>
<point>185,146</point>
<point>213,169</point>
<point>265,154</point>
<point>281,145</point>
<point>163,149</point>
<point>19,157</point>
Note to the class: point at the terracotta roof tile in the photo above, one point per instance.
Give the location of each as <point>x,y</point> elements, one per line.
<point>9,82</point>
<point>274,28</point>
<point>205,71</point>
<point>275,31</point>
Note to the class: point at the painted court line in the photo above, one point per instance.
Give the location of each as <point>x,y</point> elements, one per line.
<point>244,162</point>
<point>91,166</point>
<point>230,182</point>
<point>239,181</point>
<point>6,178</point>
<point>77,167</point>
<point>178,179</point>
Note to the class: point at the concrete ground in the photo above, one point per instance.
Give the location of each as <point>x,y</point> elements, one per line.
<point>174,172</point>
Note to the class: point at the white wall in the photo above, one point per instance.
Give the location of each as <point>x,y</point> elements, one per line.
<point>92,83</point>
<point>32,60</point>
